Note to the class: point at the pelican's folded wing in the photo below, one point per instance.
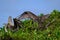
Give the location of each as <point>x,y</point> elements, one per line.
<point>28,14</point>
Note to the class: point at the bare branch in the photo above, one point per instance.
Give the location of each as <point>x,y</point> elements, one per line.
<point>50,23</point>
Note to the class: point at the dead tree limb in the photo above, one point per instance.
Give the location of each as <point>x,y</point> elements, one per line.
<point>50,23</point>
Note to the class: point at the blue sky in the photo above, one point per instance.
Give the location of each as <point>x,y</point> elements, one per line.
<point>16,7</point>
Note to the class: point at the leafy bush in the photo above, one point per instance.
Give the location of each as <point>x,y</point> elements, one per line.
<point>29,31</point>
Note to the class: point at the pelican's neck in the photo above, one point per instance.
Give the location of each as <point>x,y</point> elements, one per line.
<point>10,21</point>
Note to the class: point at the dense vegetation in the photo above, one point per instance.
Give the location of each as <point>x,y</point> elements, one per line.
<point>29,30</point>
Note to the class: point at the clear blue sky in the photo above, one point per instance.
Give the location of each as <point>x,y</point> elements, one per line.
<point>16,7</point>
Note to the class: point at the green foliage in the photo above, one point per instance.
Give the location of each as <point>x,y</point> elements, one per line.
<point>29,30</point>
<point>41,14</point>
